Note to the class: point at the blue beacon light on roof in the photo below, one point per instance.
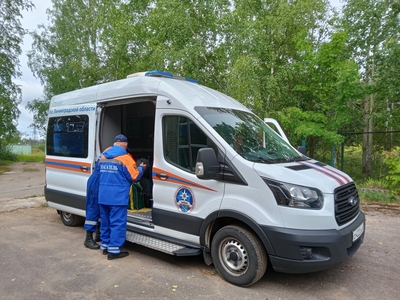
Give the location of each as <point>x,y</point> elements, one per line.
<point>157,73</point>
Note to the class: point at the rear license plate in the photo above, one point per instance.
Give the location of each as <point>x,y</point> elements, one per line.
<point>358,232</point>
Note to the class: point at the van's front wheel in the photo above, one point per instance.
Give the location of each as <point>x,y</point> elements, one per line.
<point>70,219</point>
<point>238,255</point>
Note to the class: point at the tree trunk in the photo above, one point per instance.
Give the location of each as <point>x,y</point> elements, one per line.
<point>367,136</point>
<point>368,122</point>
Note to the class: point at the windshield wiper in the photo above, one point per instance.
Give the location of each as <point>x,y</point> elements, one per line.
<point>263,160</point>
<point>255,158</point>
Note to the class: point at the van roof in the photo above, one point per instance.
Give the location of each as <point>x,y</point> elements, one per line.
<point>142,84</point>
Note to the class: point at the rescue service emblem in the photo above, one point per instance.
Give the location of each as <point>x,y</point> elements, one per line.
<point>184,200</point>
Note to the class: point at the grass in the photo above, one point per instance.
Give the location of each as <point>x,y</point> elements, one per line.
<point>34,157</point>
<point>384,197</point>
<point>377,191</point>
<point>5,166</point>
<point>30,170</point>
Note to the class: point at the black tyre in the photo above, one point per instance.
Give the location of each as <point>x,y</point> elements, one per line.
<point>70,219</point>
<point>238,255</point>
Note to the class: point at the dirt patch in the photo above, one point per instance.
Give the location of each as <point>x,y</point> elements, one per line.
<point>22,167</point>
<point>24,179</point>
<point>388,209</point>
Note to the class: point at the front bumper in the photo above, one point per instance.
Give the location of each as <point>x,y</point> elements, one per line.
<point>328,247</point>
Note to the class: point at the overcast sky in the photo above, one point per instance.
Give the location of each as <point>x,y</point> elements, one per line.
<point>31,87</point>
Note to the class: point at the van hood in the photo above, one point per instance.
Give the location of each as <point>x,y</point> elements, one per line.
<point>310,173</point>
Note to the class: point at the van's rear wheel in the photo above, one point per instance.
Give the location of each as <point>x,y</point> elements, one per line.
<point>70,219</point>
<point>238,255</point>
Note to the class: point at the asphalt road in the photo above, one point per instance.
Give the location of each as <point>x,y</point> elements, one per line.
<point>40,258</point>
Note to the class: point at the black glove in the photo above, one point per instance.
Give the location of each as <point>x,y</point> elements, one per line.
<point>142,160</point>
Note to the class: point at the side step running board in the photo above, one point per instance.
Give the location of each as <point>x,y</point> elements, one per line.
<point>160,245</point>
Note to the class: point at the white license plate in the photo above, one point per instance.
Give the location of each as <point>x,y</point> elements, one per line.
<point>358,232</point>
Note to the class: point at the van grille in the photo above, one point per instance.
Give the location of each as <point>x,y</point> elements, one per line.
<point>347,203</point>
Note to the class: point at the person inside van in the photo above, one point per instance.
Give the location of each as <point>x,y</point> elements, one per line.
<point>117,172</point>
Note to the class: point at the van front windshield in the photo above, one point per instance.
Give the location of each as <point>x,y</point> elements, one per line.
<point>249,135</point>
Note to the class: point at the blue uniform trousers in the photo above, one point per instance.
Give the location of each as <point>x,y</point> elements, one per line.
<point>92,214</point>
<point>113,227</point>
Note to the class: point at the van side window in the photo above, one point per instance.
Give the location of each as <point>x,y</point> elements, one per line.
<point>68,136</point>
<point>182,139</point>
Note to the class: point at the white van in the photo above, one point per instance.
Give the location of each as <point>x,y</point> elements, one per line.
<point>224,184</point>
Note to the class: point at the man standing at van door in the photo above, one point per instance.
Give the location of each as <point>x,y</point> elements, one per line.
<point>117,172</point>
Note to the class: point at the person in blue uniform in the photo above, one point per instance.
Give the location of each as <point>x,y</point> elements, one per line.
<point>92,210</point>
<point>117,172</point>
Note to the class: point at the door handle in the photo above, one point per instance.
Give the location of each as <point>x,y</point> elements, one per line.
<point>84,168</point>
<point>162,176</point>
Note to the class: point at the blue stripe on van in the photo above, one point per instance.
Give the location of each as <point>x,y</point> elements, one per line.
<point>62,164</point>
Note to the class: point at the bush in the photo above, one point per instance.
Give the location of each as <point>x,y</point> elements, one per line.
<point>352,164</point>
<point>392,160</point>
<point>38,148</point>
<point>6,154</point>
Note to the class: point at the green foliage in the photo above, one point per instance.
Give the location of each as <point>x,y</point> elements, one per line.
<point>34,157</point>
<point>392,160</point>
<point>352,165</point>
<point>11,35</point>
<point>375,184</point>
<point>311,126</point>
<point>39,108</point>
<point>378,191</point>
<point>271,44</point>
<point>38,148</point>
<point>373,35</point>
<point>378,196</point>
<point>6,154</point>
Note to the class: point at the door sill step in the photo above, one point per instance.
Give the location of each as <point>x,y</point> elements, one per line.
<point>160,245</point>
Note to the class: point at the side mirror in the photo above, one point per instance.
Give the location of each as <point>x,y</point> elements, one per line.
<point>302,150</point>
<point>207,166</point>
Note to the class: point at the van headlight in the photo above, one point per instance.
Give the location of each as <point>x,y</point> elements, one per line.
<point>298,196</point>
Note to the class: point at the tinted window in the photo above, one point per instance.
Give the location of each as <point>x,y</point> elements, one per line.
<point>68,136</point>
<point>182,140</point>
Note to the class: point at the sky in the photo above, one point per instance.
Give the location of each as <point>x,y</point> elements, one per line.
<point>31,86</point>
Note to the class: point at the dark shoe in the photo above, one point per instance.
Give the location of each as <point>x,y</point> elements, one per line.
<point>115,256</point>
<point>89,242</point>
<point>105,252</point>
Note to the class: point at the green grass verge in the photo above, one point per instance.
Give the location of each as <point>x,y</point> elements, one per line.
<point>35,157</point>
<point>368,196</point>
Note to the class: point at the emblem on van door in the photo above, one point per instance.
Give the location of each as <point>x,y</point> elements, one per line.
<point>353,201</point>
<point>184,199</point>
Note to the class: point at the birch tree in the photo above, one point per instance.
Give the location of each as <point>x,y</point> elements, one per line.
<point>371,26</point>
